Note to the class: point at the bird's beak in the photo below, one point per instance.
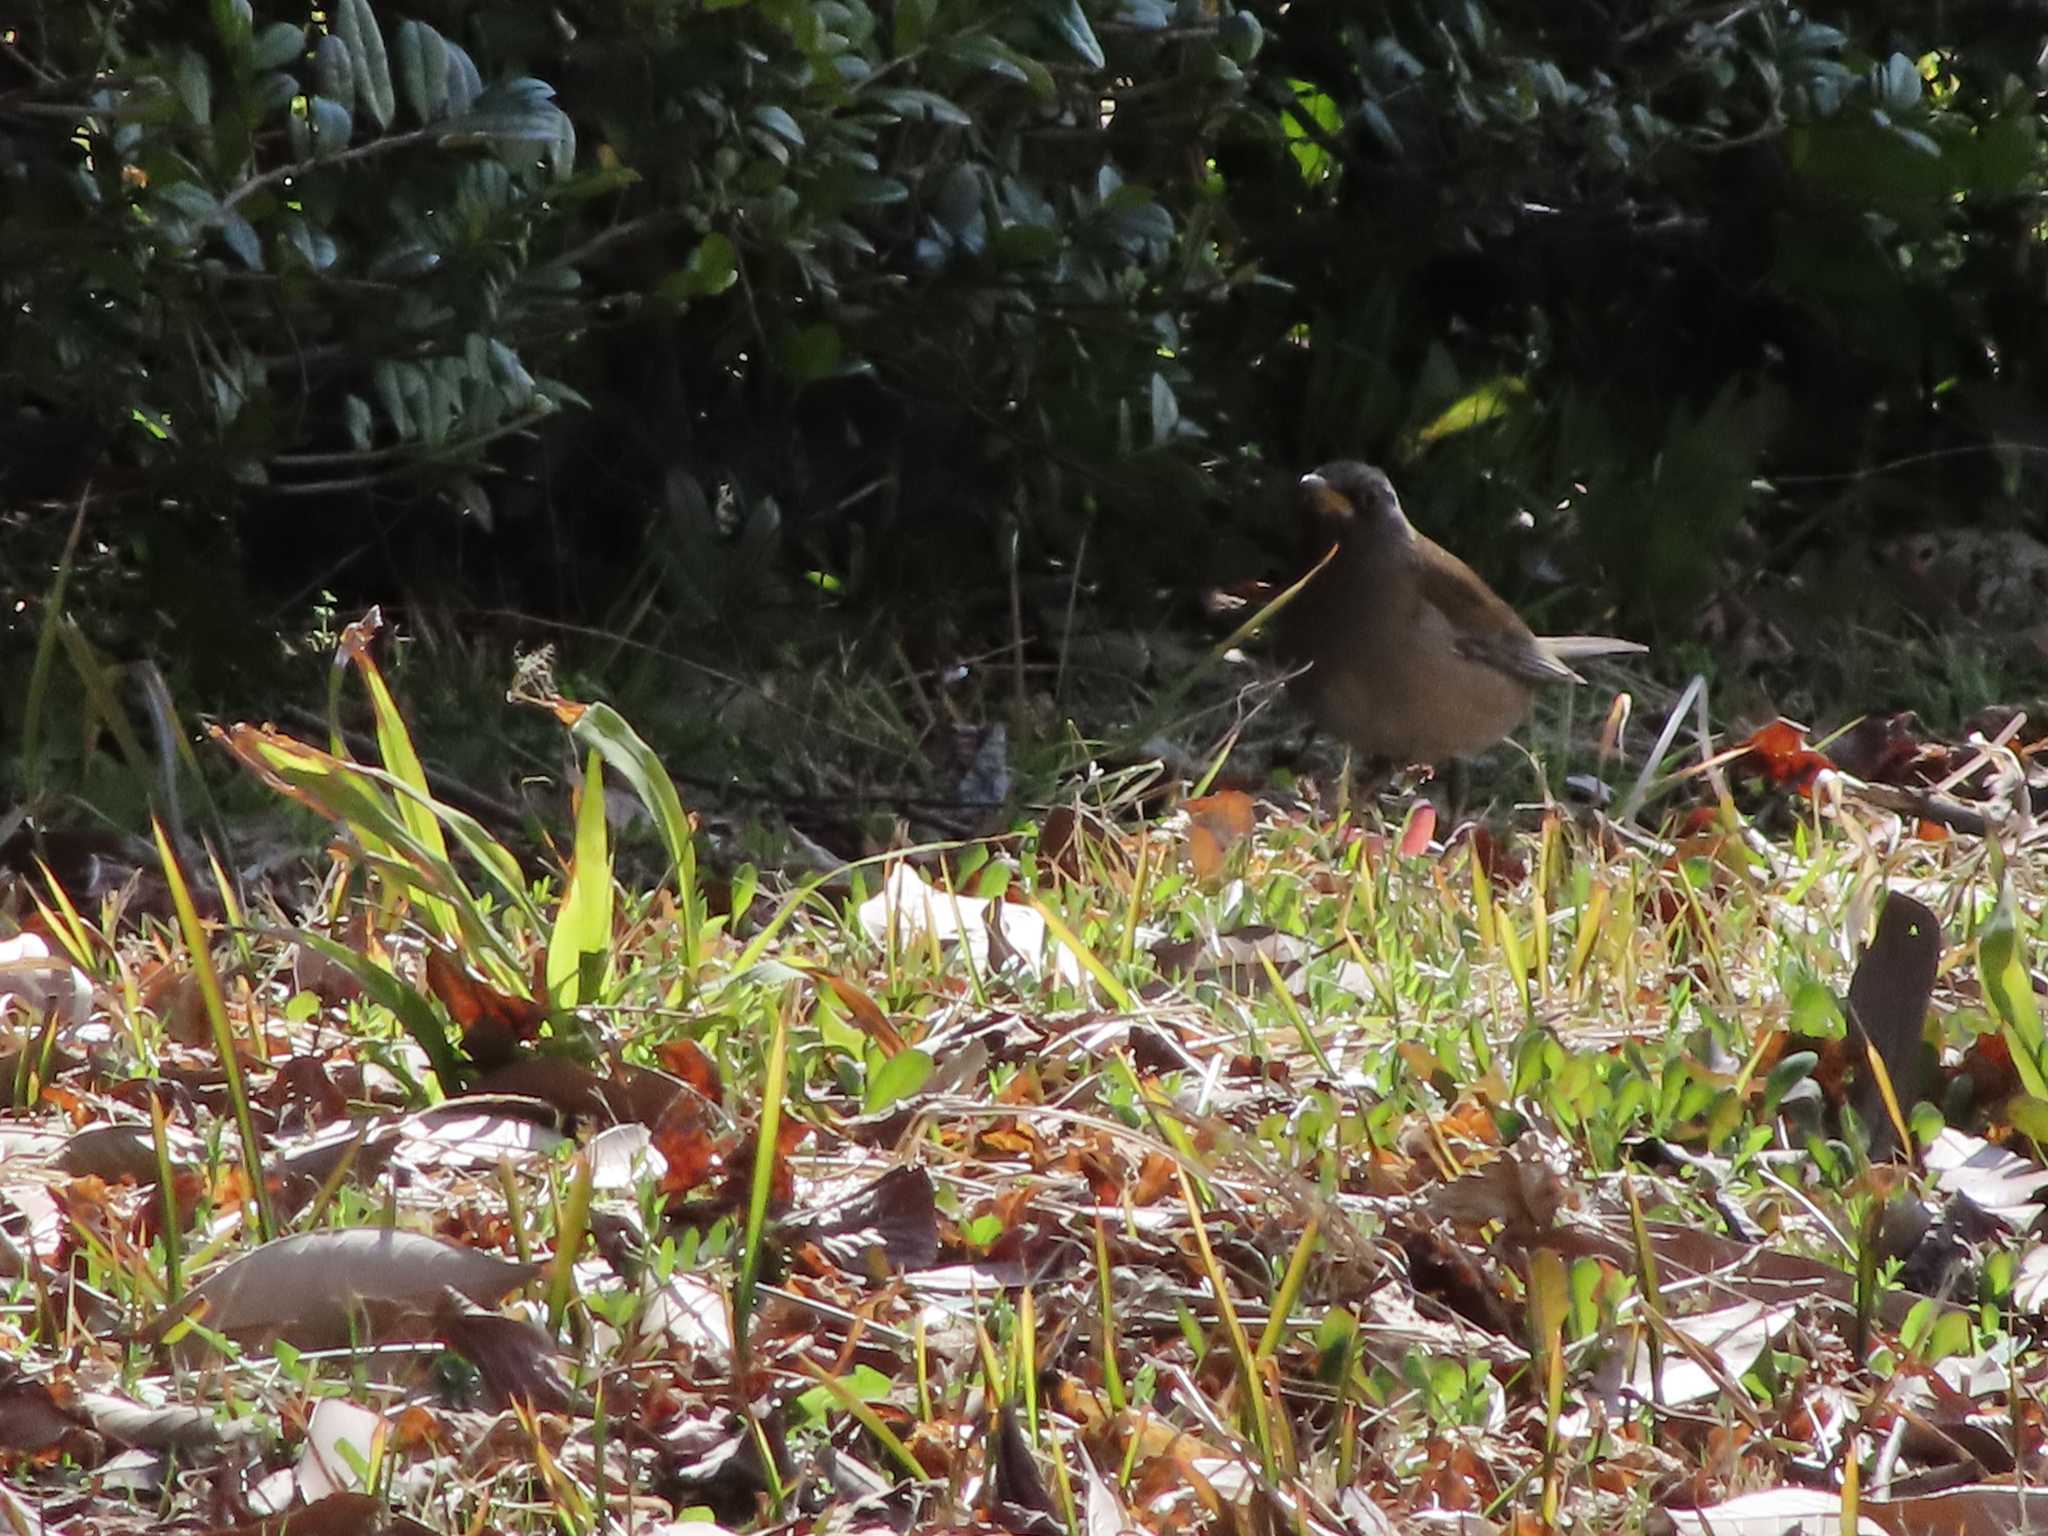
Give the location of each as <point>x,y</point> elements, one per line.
<point>1325,500</point>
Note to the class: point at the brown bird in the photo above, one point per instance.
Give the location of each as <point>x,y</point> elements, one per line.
<point>1409,655</point>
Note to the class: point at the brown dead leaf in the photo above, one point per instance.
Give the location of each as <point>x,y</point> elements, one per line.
<point>32,1421</point>
<point>516,1360</point>
<point>339,1514</point>
<point>306,1289</point>
<point>1888,999</point>
<point>685,1060</point>
<point>1523,1194</point>
<point>494,1024</point>
<point>891,1225</point>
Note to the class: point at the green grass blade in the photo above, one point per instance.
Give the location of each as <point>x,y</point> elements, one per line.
<point>223,1037</point>
<point>579,946</point>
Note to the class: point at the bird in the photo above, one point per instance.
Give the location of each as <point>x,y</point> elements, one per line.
<point>1398,646</point>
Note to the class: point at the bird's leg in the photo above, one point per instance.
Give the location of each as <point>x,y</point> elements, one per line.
<point>1458,788</point>
<point>1372,777</point>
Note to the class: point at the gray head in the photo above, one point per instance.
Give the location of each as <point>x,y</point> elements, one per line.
<point>1347,497</point>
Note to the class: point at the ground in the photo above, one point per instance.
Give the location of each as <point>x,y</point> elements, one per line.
<point>1243,1160</point>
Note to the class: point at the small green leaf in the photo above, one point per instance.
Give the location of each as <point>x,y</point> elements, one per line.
<point>334,76</point>
<point>712,268</point>
<point>330,123</point>
<point>896,1078</point>
<point>2010,990</point>
<point>813,352</point>
<point>1165,409</point>
<point>277,45</point>
<point>779,123</point>
<point>1309,120</point>
<point>355,416</point>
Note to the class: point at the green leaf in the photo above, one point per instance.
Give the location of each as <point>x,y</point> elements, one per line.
<point>277,45</point>
<point>521,111</point>
<point>913,23</point>
<point>779,123</point>
<point>232,22</point>
<point>241,238</point>
<point>194,86</point>
<point>1071,22</point>
<point>414,1013</point>
<point>999,58</point>
<point>1165,409</point>
<point>334,76</point>
<point>1311,109</point>
<point>357,25</point>
<point>423,69</point>
<point>896,1078</point>
<point>355,415</point>
<point>1489,403</point>
<point>921,106</point>
<point>813,352</point>
<point>330,123</point>
<point>602,727</point>
<point>2010,989</point>
<point>580,943</point>
<point>712,268</point>
<point>1896,84</point>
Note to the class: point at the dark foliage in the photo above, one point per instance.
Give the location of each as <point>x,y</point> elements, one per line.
<point>619,303</point>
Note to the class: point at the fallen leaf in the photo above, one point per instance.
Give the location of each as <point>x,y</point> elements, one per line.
<point>306,1289</point>
<point>1888,999</point>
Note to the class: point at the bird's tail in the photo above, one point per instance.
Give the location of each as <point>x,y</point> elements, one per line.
<point>1590,647</point>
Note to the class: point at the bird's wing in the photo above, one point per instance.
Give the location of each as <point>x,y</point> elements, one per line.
<point>1519,654</point>
<point>1487,630</point>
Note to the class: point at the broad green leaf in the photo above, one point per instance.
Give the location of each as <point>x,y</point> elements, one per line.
<point>1490,402</point>
<point>896,1077</point>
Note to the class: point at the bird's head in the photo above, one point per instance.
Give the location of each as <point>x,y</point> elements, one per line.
<point>1349,494</point>
<point>1350,503</point>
